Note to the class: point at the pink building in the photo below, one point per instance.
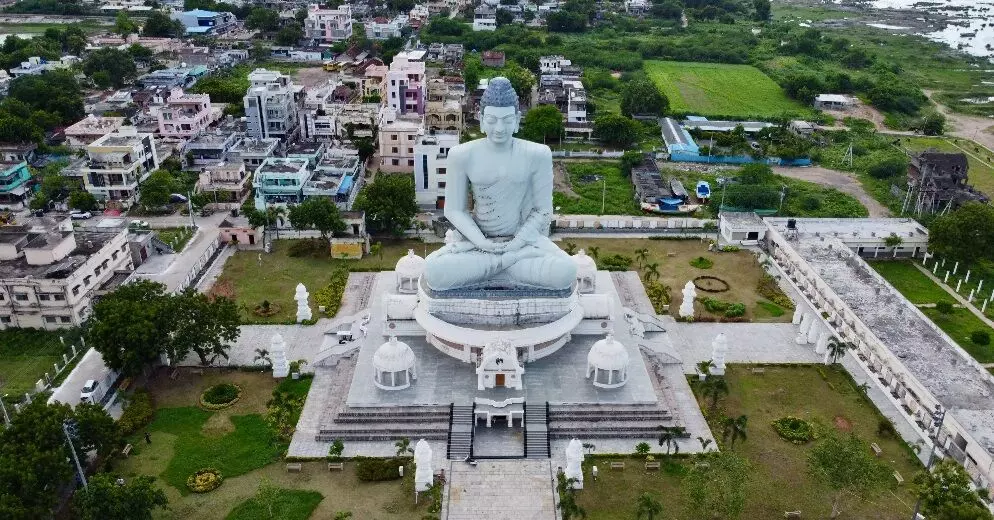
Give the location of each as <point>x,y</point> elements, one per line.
<point>185,115</point>
<point>404,85</point>
<point>325,25</point>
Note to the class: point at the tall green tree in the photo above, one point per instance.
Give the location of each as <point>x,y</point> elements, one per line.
<point>389,203</point>
<point>34,461</point>
<point>158,24</point>
<point>131,325</point>
<point>647,507</point>
<point>847,465</point>
<point>616,129</point>
<point>263,19</point>
<point>716,489</point>
<point>96,428</point>
<point>642,97</point>
<point>123,24</point>
<point>104,499</point>
<point>82,200</point>
<point>714,388</point>
<point>319,213</point>
<point>733,429</point>
<point>946,493</point>
<point>541,123</point>
<point>965,235</point>
<point>290,34</point>
<point>203,325</point>
<point>117,64</point>
<point>155,191</point>
<point>762,9</point>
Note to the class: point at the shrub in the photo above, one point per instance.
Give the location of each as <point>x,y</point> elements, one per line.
<point>731,249</point>
<point>702,262</point>
<point>980,337</point>
<point>735,310</point>
<point>316,247</point>
<point>375,470</point>
<point>769,289</point>
<point>714,304</point>
<point>944,307</point>
<point>711,284</point>
<point>330,296</point>
<point>204,480</point>
<point>642,448</point>
<point>885,428</point>
<point>659,295</point>
<point>794,429</point>
<point>137,414</point>
<point>616,262</point>
<point>220,396</point>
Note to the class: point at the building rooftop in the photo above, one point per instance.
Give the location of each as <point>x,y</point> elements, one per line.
<point>87,244</point>
<point>94,124</point>
<point>742,219</point>
<point>256,146</point>
<point>278,166</point>
<point>210,139</point>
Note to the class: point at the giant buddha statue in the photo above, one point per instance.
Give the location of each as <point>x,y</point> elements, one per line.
<point>501,240</point>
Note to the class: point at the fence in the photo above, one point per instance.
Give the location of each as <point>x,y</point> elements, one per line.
<point>954,278</point>
<point>736,159</point>
<point>202,263</point>
<point>48,380</point>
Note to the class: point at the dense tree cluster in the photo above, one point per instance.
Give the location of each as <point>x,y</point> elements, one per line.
<point>159,24</point>
<point>965,235</point>
<point>641,96</point>
<point>110,67</point>
<point>319,213</point>
<point>59,7</point>
<point>37,104</point>
<point>389,203</point>
<point>542,123</point>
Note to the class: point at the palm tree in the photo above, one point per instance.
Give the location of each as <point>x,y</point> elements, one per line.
<point>403,447</point>
<point>647,507</point>
<point>668,439</point>
<point>704,443</point>
<point>262,354</point>
<point>704,369</point>
<point>864,387</point>
<point>651,271</point>
<point>641,256</point>
<point>594,251</point>
<point>570,248</point>
<point>714,388</point>
<point>376,249</point>
<point>567,498</point>
<point>837,348</point>
<point>589,447</point>
<point>734,429</point>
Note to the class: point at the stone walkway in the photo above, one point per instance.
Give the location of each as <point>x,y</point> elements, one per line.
<point>962,301</point>
<point>748,343</point>
<point>501,490</point>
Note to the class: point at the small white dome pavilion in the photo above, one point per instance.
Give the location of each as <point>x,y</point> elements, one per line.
<point>608,363</point>
<point>393,365</point>
<point>409,269</point>
<point>586,272</point>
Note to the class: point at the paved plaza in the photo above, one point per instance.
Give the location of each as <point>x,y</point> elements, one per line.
<point>501,490</point>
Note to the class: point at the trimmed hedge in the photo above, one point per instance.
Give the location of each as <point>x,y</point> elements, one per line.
<point>794,429</point>
<point>137,414</point>
<point>220,396</point>
<point>375,470</point>
<point>768,288</point>
<point>330,296</point>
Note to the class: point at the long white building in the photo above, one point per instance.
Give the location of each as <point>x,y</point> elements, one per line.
<point>431,156</point>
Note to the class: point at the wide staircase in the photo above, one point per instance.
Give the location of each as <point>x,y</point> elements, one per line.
<point>460,432</point>
<point>536,431</point>
<point>388,423</point>
<point>590,421</point>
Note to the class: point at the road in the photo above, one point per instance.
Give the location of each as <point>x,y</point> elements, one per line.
<point>842,181</point>
<point>974,128</point>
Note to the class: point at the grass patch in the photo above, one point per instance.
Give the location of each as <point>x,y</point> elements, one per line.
<point>177,237</point>
<point>249,281</point>
<point>714,89</point>
<point>959,325</point>
<point>288,504</point>
<point>768,309</point>
<point>27,354</point>
<point>910,282</point>
<point>593,182</point>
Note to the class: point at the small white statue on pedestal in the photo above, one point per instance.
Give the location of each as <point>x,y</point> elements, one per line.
<point>424,477</point>
<point>687,305</point>
<point>303,309</point>
<point>719,349</point>
<point>277,352</point>
<point>574,462</point>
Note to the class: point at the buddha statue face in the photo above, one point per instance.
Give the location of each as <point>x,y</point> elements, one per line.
<point>500,123</point>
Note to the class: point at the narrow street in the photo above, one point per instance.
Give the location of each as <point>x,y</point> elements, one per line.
<point>842,181</point>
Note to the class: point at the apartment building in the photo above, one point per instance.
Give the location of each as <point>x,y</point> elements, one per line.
<point>381,28</point>
<point>226,185</point>
<point>186,115</point>
<point>210,148</point>
<point>91,128</point>
<point>404,84</point>
<point>280,181</point>
<point>117,163</point>
<point>253,152</point>
<point>15,175</point>
<point>484,18</point>
<point>324,25</point>
<point>444,108</point>
<point>49,272</point>
<point>271,105</point>
<point>431,155</point>
<point>398,136</point>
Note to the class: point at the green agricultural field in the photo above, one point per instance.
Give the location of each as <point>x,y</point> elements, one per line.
<point>720,90</point>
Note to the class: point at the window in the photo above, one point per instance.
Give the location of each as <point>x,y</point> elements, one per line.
<point>44,297</point>
<point>441,185</point>
<point>2,297</point>
<point>4,319</point>
<point>114,255</point>
<point>21,297</point>
<point>394,149</point>
<point>393,137</point>
<point>168,116</point>
<point>59,297</point>
<point>96,272</point>
<point>393,95</point>
<point>104,264</point>
<point>51,319</point>
<point>64,319</point>
<point>394,162</point>
<point>86,281</point>
<point>441,171</point>
<point>75,291</point>
<point>410,137</point>
<point>410,162</point>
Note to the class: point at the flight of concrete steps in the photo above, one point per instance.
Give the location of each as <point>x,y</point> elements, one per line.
<point>461,432</point>
<point>590,421</point>
<point>536,431</point>
<point>388,423</point>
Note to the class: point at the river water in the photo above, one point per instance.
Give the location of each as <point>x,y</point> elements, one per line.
<point>970,27</point>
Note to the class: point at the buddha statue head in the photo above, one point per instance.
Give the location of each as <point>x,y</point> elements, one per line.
<point>499,113</point>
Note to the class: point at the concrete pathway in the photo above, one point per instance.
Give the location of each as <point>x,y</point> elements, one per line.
<point>962,301</point>
<point>501,490</point>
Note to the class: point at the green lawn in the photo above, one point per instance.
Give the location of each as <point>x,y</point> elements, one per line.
<point>592,183</point>
<point>721,90</point>
<point>289,504</point>
<point>249,281</point>
<point>780,478</point>
<point>176,237</point>
<point>959,325</point>
<point>910,282</point>
<point>27,354</point>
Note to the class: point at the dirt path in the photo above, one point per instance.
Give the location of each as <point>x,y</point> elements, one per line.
<point>561,181</point>
<point>974,128</point>
<point>842,181</point>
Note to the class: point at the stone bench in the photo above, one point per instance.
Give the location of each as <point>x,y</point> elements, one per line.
<point>340,466</point>
<point>617,465</point>
<point>898,478</point>
<point>127,450</point>
<point>651,464</point>
<point>792,514</point>
<point>294,467</point>
<point>876,449</point>
<point>759,371</point>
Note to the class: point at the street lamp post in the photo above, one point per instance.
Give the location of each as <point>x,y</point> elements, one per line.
<point>938,417</point>
<point>70,430</point>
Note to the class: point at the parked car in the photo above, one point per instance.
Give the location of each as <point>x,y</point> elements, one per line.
<point>92,392</point>
<point>176,197</point>
<point>138,224</point>
<point>80,215</point>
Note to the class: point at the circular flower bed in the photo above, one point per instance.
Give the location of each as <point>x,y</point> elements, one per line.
<point>794,429</point>
<point>220,396</point>
<point>702,262</point>
<point>204,480</point>
<point>711,284</point>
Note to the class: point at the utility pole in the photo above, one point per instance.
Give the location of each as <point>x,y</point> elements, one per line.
<point>938,417</point>
<point>603,193</point>
<point>189,206</point>
<point>70,431</point>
